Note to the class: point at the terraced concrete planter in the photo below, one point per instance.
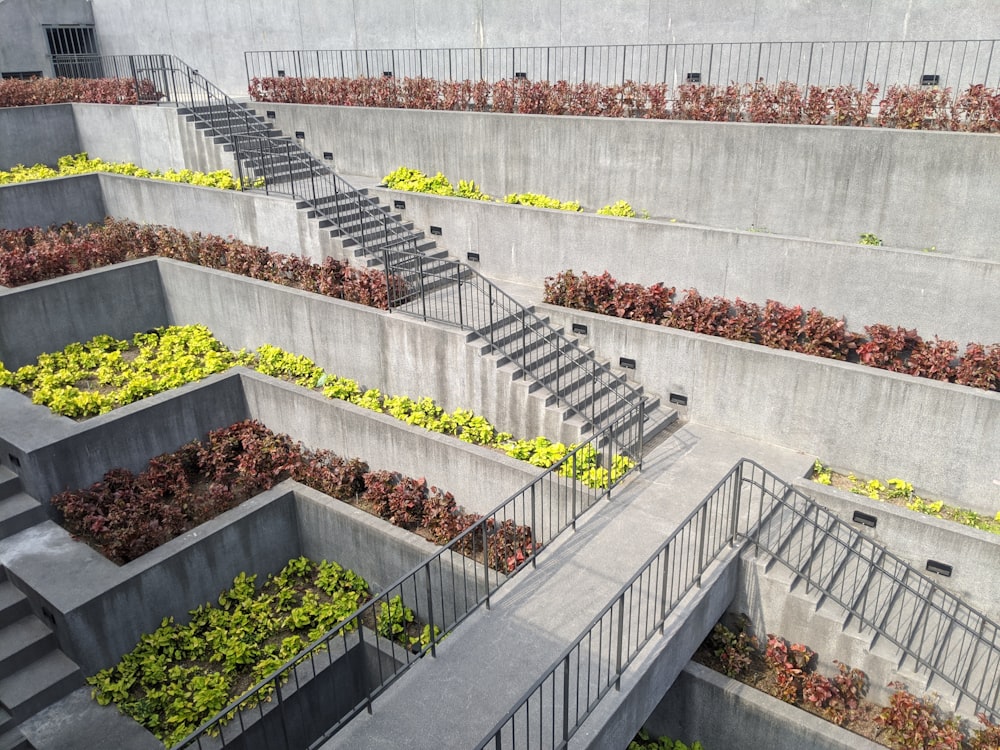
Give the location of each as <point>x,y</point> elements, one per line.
<point>719,712</point>
<point>939,436</point>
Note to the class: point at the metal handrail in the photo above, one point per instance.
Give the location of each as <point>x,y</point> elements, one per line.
<point>593,664</point>
<point>442,592</point>
<point>750,505</point>
<point>287,169</point>
<point>956,63</point>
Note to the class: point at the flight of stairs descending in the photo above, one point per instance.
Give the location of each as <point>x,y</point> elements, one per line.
<point>556,359</point>
<point>34,673</point>
<point>18,510</point>
<point>433,286</point>
<point>869,609</point>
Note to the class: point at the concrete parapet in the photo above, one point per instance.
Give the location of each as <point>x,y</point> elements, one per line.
<point>939,436</point>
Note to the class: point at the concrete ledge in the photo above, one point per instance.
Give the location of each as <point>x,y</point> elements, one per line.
<point>937,294</point>
<point>719,712</point>
<point>831,183</point>
<point>917,537</point>
<point>940,436</point>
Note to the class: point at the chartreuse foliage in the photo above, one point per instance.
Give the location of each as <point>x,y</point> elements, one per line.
<point>96,376</point>
<point>182,675</point>
<point>81,164</point>
<point>415,181</point>
<point>900,492</point>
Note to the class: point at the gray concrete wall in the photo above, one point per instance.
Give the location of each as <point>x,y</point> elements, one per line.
<point>210,36</point>
<point>915,189</point>
<point>525,245</point>
<point>917,538</point>
<point>48,315</point>
<point>36,135</point>
<point>705,706</point>
<point>43,203</point>
<point>397,354</point>
<point>267,221</point>
<point>24,47</point>
<point>152,137</point>
<point>479,478</point>
<point>128,437</point>
<point>621,713</point>
<point>939,436</point>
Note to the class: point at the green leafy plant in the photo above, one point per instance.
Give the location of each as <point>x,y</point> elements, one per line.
<point>734,650</point>
<point>392,619</point>
<point>870,239</point>
<point>541,201</point>
<point>180,675</point>
<point>643,741</point>
<point>618,208</point>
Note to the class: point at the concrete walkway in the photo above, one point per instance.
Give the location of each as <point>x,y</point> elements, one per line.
<point>484,667</point>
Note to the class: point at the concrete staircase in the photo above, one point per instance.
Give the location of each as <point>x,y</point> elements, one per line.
<point>844,594</point>
<point>18,510</point>
<point>433,286</point>
<point>34,673</point>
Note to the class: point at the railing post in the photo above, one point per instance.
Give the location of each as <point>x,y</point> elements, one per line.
<point>490,290</point>
<point>663,590</point>
<point>388,277</point>
<point>642,433</point>
<point>486,562</point>
<point>566,699</point>
<point>735,509</point>
<point>573,484</point>
<point>534,557</point>
<point>430,611</point>
<point>621,638</point>
<point>701,542</point>
<point>458,278</point>
<point>423,294</point>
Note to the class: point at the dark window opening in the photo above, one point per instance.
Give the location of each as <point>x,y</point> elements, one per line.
<point>74,51</point>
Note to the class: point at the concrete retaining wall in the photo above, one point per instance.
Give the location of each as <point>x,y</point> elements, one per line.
<point>706,706</point>
<point>210,36</point>
<point>56,201</point>
<point>149,136</point>
<point>37,135</point>
<point>917,538</point>
<point>47,316</point>
<point>525,245</point>
<point>398,354</point>
<point>939,436</point>
<point>479,478</point>
<point>913,189</point>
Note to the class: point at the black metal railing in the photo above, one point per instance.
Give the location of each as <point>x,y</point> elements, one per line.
<point>937,631</point>
<point>287,169</point>
<point>587,387</point>
<point>954,63</point>
<point>442,592</point>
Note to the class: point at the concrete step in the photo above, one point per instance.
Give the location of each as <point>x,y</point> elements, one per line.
<point>13,604</point>
<point>18,512</point>
<point>23,642</point>
<point>27,691</point>
<point>12,739</point>
<point>10,483</point>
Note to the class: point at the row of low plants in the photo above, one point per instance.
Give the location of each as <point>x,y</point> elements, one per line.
<point>126,515</point>
<point>28,92</point>
<point>76,164</point>
<point>779,327</point>
<point>182,675</point>
<point>975,109</point>
<point>34,254</point>
<point>900,492</point>
<point>415,181</point>
<point>643,741</point>
<point>96,376</point>
<point>788,671</point>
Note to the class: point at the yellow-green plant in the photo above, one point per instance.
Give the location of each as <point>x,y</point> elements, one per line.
<point>900,492</point>
<point>541,201</point>
<point>76,164</point>
<point>619,208</point>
